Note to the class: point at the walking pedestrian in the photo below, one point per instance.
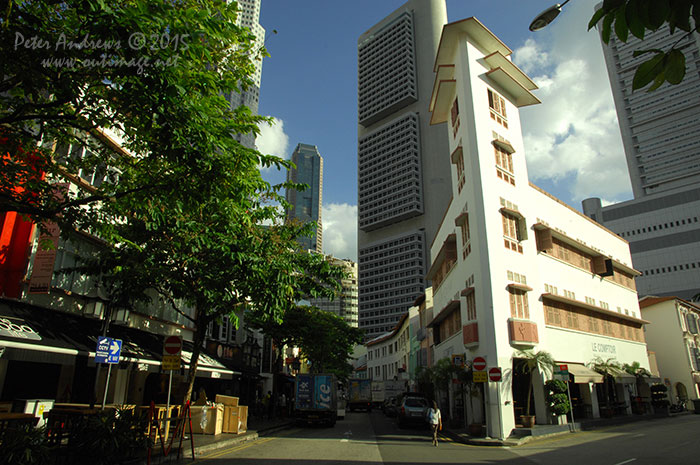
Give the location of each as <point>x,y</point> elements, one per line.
<point>435,420</point>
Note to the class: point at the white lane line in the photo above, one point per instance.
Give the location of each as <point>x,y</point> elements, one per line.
<point>626,461</point>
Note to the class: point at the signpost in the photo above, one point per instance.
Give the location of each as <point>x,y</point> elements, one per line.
<point>172,359</point>
<point>108,351</point>
<point>495,374</point>
<point>562,373</point>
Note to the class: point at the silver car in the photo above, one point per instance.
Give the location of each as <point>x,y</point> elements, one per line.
<point>412,411</point>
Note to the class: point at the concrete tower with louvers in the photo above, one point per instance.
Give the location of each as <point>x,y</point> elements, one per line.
<point>404,178</point>
<point>249,17</point>
<point>661,136</point>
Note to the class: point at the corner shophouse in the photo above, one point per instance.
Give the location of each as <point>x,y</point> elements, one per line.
<point>513,267</point>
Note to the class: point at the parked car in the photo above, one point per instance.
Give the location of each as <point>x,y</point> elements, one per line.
<point>389,406</point>
<point>412,410</point>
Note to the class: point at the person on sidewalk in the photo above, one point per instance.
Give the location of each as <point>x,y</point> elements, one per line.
<point>435,420</point>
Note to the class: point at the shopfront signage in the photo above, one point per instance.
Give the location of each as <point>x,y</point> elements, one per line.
<point>603,348</point>
<point>18,328</point>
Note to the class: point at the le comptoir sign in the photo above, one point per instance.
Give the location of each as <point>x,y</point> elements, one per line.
<point>603,348</point>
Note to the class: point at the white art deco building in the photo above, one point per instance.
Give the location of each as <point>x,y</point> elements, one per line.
<point>514,268</point>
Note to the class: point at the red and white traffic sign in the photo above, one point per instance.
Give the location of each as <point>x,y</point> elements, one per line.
<point>495,374</point>
<point>172,345</point>
<point>479,363</point>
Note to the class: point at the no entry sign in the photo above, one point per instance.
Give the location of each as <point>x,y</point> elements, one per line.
<point>479,363</point>
<point>172,345</point>
<point>495,374</point>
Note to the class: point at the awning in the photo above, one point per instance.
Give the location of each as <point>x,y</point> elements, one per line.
<point>35,334</point>
<point>582,374</point>
<point>625,378</point>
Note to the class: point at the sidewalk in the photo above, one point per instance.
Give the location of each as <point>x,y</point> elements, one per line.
<point>205,444</point>
<point>520,436</point>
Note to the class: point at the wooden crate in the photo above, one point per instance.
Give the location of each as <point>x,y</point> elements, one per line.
<point>230,424</point>
<point>215,419</point>
<point>228,401</point>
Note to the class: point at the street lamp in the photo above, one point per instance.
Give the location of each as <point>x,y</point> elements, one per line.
<point>547,16</point>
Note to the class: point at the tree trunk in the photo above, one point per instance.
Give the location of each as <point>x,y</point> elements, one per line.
<point>199,334</point>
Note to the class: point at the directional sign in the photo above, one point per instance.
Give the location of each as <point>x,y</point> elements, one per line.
<point>172,345</point>
<point>108,350</point>
<point>480,376</point>
<point>479,363</point>
<point>495,374</point>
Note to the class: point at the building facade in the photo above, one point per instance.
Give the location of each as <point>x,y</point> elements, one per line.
<point>514,270</point>
<point>661,136</point>
<point>345,304</point>
<point>388,355</point>
<point>403,176</point>
<point>674,335</point>
<point>307,205</point>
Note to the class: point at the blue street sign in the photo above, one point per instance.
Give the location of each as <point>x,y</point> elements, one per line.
<point>108,350</point>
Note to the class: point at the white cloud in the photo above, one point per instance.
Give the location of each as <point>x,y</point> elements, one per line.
<point>573,133</point>
<point>340,230</point>
<point>272,139</point>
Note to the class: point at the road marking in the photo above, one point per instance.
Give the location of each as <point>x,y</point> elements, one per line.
<point>626,461</point>
<point>234,449</point>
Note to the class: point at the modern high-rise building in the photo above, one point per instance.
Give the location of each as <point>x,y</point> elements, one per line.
<point>345,304</point>
<point>661,136</point>
<point>306,206</point>
<point>403,162</point>
<point>249,16</point>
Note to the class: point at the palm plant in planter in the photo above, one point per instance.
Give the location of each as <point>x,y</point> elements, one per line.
<point>541,362</point>
<point>608,368</point>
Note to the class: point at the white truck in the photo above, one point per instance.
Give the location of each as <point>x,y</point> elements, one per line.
<point>383,390</point>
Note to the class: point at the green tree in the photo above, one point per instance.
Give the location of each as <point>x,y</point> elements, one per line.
<point>54,93</point>
<point>180,208</point>
<point>324,338</point>
<point>636,17</point>
<point>608,368</point>
<point>540,361</point>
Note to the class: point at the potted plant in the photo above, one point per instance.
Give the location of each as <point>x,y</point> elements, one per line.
<point>540,361</point>
<point>557,398</point>
<point>659,399</point>
<point>608,368</point>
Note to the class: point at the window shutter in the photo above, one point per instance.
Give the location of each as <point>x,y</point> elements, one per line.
<point>696,359</point>
<point>522,229</point>
<point>692,323</point>
<point>544,240</point>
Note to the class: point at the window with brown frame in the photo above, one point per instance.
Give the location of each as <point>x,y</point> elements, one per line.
<point>504,165</point>
<point>460,173</point>
<point>455,118</point>
<point>568,316</point>
<point>518,304</point>
<point>511,232</point>
<point>471,306</point>
<point>466,239</point>
<point>497,105</point>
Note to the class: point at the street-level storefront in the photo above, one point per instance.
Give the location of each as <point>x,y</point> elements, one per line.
<point>48,354</point>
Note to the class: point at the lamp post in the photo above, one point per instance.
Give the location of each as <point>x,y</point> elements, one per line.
<point>547,16</point>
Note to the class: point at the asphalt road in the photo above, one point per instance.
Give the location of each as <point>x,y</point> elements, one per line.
<point>363,439</point>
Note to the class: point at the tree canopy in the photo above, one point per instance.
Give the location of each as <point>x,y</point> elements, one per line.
<point>177,203</point>
<point>636,17</point>
<point>324,338</point>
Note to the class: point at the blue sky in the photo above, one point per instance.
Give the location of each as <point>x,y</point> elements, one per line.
<point>309,85</point>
